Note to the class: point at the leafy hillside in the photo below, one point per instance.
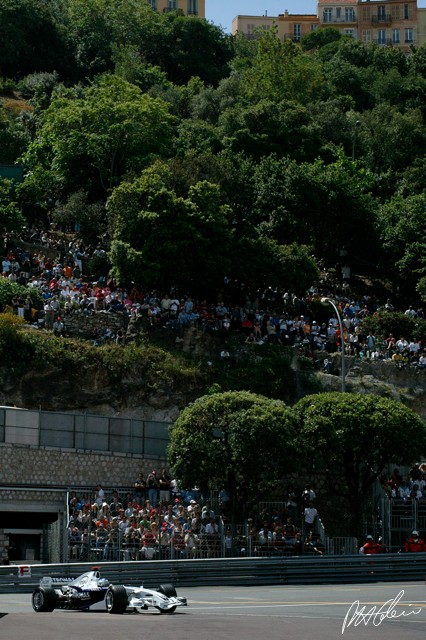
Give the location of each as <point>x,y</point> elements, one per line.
<point>193,158</point>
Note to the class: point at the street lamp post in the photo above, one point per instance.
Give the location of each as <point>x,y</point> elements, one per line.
<point>342,337</point>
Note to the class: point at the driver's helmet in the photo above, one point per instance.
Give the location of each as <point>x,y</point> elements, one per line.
<point>103,582</point>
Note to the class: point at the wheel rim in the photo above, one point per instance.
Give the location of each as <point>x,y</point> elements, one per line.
<point>38,600</point>
<point>109,600</point>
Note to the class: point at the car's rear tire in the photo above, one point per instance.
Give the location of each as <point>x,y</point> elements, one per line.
<point>167,590</point>
<point>116,599</point>
<point>44,600</point>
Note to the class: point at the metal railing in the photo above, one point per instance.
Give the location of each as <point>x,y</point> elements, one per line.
<point>231,571</point>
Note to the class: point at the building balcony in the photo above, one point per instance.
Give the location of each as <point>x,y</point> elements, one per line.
<point>339,21</point>
<point>381,20</point>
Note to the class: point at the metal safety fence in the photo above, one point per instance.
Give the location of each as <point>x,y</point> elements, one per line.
<point>231,571</point>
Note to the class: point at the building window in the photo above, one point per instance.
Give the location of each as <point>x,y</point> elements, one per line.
<point>381,36</point>
<point>153,4</point>
<point>395,36</point>
<point>172,5</point>
<point>381,13</point>
<point>409,35</point>
<point>314,27</point>
<point>297,32</point>
<point>406,11</point>
<point>366,36</point>
<point>327,15</point>
<point>349,14</point>
<point>192,7</point>
<point>395,12</point>
<point>338,12</point>
<point>349,32</point>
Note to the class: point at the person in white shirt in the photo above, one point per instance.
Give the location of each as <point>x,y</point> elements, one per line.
<point>310,515</point>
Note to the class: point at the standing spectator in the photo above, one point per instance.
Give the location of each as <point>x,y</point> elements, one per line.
<point>178,540</point>
<point>140,489</point>
<point>308,496</point>
<point>149,542</point>
<point>212,538</point>
<point>152,486</point>
<point>414,544</point>
<point>192,543</point>
<point>99,495</point>
<point>264,538</point>
<point>289,531</point>
<point>164,485</point>
<point>310,515</point>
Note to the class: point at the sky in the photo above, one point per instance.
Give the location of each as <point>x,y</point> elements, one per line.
<point>222,12</point>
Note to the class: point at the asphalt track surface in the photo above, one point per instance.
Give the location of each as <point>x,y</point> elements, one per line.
<point>388,611</point>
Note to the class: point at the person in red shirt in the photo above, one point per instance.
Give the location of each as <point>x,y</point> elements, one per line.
<point>414,543</point>
<point>370,547</point>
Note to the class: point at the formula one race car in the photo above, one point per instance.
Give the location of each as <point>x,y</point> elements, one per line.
<point>89,588</point>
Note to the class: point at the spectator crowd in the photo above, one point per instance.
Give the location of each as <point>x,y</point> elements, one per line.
<point>268,316</point>
<point>156,520</point>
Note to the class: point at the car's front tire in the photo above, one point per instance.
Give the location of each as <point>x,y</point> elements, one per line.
<point>171,610</point>
<point>44,600</point>
<point>116,599</point>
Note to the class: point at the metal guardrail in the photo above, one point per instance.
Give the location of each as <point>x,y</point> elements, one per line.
<point>232,571</point>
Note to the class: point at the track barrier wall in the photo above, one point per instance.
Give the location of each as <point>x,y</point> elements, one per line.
<point>230,572</point>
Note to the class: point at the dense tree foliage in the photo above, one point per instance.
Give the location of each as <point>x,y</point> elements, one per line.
<point>273,156</point>
<point>235,440</point>
<point>356,436</point>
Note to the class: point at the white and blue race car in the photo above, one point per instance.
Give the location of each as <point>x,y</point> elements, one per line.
<point>89,589</point>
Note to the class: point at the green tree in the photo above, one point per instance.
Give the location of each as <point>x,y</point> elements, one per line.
<point>356,436</point>
<point>401,223</point>
<point>320,38</point>
<point>326,206</point>
<point>263,262</point>
<point>234,440</point>
<point>390,139</point>
<point>11,218</point>
<point>164,239</point>
<point>26,26</point>
<point>281,71</point>
<point>91,137</point>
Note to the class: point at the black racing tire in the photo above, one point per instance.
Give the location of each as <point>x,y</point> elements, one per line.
<point>167,590</point>
<point>171,610</point>
<point>116,599</point>
<point>44,600</point>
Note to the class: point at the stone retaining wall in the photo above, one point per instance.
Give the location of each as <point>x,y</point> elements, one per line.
<point>56,467</point>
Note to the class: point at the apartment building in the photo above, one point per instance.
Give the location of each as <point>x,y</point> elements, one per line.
<point>339,14</point>
<point>294,26</point>
<point>189,7</point>
<point>391,22</point>
<point>397,23</point>
<point>252,26</point>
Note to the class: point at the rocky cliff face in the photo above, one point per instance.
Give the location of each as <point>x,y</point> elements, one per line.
<point>383,378</point>
<point>140,393</point>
